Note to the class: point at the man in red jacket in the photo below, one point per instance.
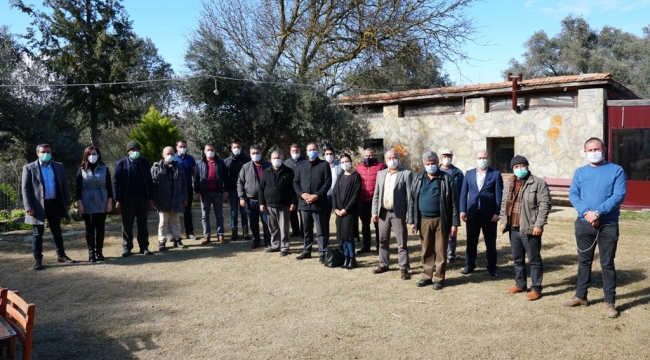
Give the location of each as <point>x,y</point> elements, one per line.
<point>368,170</point>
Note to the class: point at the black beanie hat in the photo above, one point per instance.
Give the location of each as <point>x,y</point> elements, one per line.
<point>518,159</point>
<point>132,144</point>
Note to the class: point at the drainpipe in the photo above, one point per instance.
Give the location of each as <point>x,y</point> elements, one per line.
<point>514,79</point>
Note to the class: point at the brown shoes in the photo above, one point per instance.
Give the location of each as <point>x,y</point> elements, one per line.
<point>610,311</point>
<point>515,290</point>
<point>533,295</point>
<point>405,274</point>
<point>574,301</point>
<point>380,269</point>
<point>222,240</point>
<point>206,241</point>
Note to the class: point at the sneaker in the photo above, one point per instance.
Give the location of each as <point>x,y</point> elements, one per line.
<point>610,311</point>
<point>161,245</point>
<point>191,237</point>
<point>574,301</point>
<point>178,244</point>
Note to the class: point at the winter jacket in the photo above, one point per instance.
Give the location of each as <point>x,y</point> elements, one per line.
<point>535,204</point>
<point>33,191</point>
<point>457,177</point>
<point>233,165</point>
<point>312,177</point>
<point>368,179</point>
<point>248,184</point>
<point>276,189</point>
<point>449,207</point>
<point>169,187</point>
<point>121,178</point>
<point>201,175</point>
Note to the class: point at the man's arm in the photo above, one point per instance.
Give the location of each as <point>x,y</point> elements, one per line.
<point>241,183</point>
<point>27,190</point>
<point>498,192</point>
<point>375,198</point>
<point>543,205</point>
<point>574,194</point>
<point>296,181</point>
<point>618,195</point>
<point>327,184</point>
<point>260,191</point>
<point>463,195</point>
<point>116,185</point>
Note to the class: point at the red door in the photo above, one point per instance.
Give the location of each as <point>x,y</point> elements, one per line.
<point>629,147</point>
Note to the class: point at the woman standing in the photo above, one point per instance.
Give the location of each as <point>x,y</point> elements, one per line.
<point>94,200</point>
<point>345,201</point>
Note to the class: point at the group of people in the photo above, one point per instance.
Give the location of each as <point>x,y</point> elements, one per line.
<point>300,193</point>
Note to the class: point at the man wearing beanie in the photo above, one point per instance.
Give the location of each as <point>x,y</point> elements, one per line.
<point>525,205</point>
<point>133,191</point>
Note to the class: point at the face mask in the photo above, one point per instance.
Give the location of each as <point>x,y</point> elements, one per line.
<point>446,161</point>
<point>135,155</point>
<point>595,157</point>
<point>276,162</point>
<point>312,154</point>
<point>521,172</point>
<point>93,158</point>
<point>256,157</point>
<point>392,164</point>
<point>169,158</point>
<point>236,151</point>
<point>45,157</point>
<point>431,169</point>
<point>346,166</point>
<point>295,156</point>
<point>182,151</point>
<point>370,161</point>
<point>329,158</point>
<point>482,164</point>
<point>209,154</point>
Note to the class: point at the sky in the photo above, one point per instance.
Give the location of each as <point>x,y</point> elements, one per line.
<point>504,26</point>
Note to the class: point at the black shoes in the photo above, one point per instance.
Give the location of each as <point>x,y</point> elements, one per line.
<point>65,259</point>
<point>321,259</point>
<point>100,256</point>
<point>363,250</point>
<point>38,264</point>
<point>493,273</point>
<point>126,253</point>
<point>466,271</point>
<point>246,236</point>
<point>451,260</point>
<point>144,252</point>
<point>437,285</point>
<point>346,262</point>
<point>424,282</point>
<point>255,245</point>
<point>272,250</point>
<point>179,245</point>
<point>304,255</point>
<point>161,245</point>
<point>284,253</point>
<point>234,235</point>
<point>91,256</point>
<point>352,264</point>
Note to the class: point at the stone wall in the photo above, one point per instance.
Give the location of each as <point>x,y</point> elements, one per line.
<point>551,139</point>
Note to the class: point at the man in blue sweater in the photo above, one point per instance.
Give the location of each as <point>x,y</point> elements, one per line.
<point>597,191</point>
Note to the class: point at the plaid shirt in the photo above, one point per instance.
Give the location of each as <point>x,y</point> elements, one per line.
<point>514,196</point>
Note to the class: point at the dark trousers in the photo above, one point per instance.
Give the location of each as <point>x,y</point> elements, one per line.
<point>607,238</point>
<point>522,245</point>
<point>365,210</point>
<point>53,217</point>
<point>327,213</point>
<point>236,210</point>
<point>187,215</point>
<point>254,216</point>
<point>474,228</point>
<point>308,220</point>
<point>132,209</point>
<point>95,231</point>
<point>296,224</point>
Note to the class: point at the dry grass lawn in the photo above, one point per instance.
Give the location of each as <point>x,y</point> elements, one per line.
<point>231,302</point>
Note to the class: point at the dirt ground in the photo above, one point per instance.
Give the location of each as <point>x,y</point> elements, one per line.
<point>228,301</point>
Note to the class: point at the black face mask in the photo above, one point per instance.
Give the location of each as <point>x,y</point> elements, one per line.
<point>370,161</point>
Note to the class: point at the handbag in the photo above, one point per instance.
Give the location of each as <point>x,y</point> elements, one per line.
<point>334,257</point>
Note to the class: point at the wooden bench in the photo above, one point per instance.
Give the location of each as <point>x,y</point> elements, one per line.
<point>559,189</point>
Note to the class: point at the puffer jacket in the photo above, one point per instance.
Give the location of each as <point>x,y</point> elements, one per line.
<point>368,179</point>
<point>535,204</point>
<point>169,190</point>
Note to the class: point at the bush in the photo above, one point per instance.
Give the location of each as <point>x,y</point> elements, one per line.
<point>5,215</point>
<point>18,213</point>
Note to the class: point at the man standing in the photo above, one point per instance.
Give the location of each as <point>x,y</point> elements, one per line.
<point>277,200</point>
<point>336,172</point>
<point>133,191</point>
<point>597,191</point>
<point>368,170</point>
<point>446,166</point>
<point>208,187</point>
<point>480,203</point>
<point>233,164</point>
<point>248,188</point>
<point>188,164</point>
<point>312,180</point>
<point>46,197</point>
<point>170,197</point>
<point>390,205</point>
<point>433,212</point>
<point>292,163</point>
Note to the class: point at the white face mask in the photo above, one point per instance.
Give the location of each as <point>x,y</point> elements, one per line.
<point>595,157</point>
<point>236,151</point>
<point>276,162</point>
<point>346,166</point>
<point>482,164</point>
<point>256,157</point>
<point>182,151</point>
<point>392,163</point>
<point>329,158</point>
<point>93,158</point>
<point>446,161</point>
<point>209,154</point>
<point>169,158</point>
<point>295,156</point>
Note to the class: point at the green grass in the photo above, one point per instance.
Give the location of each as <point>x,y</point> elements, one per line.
<point>628,215</point>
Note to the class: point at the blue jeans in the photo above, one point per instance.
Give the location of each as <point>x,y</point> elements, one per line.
<point>348,248</point>
<point>254,215</point>
<point>451,248</point>
<point>211,199</point>
<point>234,206</point>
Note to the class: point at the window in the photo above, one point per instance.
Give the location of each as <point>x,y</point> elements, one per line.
<point>631,150</point>
<point>434,108</point>
<point>370,111</point>
<point>377,145</point>
<point>502,150</point>
<point>564,99</point>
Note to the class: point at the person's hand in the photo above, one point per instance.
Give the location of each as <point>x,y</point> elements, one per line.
<point>454,231</point>
<point>501,227</point>
<point>109,206</point>
<point>314,198</point>
<point>375,218</point>
<point>463,216</point>
<point>262,208</point>
<point>595,223</point>
<point>197,197</point>
<point>305,197</point>
<point>590,216</point>
<point>292,207</point>
<point>80,209</point>
<point>537,231</point>
<point>343,212</point>
<point>30,212</point>
<point>412,228</point>
<point>242,203</point>
<point>495,218</point>
<point>118,206</point>
<point>151,204</point>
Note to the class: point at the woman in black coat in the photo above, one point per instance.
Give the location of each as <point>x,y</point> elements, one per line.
<point>345,201</point>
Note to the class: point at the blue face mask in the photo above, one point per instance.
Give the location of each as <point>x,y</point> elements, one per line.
<point>135,155</point>
<point>46,157</point>
<point>521,172</point>
<point>431,169</point>
<point>312,154</point>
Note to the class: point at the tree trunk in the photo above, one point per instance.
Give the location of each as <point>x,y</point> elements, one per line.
<point>94,130</point>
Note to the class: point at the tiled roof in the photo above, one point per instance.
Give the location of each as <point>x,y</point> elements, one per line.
<point>479,88</point>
